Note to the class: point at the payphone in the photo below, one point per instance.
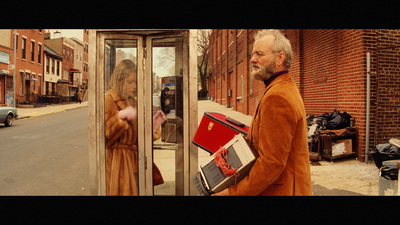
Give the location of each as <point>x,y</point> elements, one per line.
<point>171,96</point>
<point>171,105</point>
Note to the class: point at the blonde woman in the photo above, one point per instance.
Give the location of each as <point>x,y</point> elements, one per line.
<point>121,131</point>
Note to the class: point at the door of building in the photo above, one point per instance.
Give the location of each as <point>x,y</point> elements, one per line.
<point>27,92</point>
<point>163,64</point>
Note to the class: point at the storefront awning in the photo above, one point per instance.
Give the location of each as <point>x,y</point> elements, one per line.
<point>64,81</point>
<point>74,71</point>
<point>31,79</point>
<point>5,72</point>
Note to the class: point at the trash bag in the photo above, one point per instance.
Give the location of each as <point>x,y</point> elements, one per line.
<point>322,120</point>
<point>335,123</point>
<point>384,152</point>
<point>333,114</point>
<point>338,120</point>
<point>346,119</point>
<point>390,171</point>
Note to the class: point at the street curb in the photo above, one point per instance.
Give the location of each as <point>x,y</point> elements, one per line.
<point>62,110</point>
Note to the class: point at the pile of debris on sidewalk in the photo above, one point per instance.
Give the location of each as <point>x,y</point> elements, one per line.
<point>336,123</point>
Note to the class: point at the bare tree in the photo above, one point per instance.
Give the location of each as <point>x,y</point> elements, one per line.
<point>203,37</point>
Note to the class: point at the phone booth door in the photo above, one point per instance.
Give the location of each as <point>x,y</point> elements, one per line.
<point>143,71</point>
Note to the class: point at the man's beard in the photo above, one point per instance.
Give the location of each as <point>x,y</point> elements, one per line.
<point>264,72</point>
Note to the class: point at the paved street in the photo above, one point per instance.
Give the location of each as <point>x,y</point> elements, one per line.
<point>45,155</point>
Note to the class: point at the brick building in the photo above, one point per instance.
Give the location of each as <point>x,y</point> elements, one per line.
<point>329,68</point>
<point>28,65</point>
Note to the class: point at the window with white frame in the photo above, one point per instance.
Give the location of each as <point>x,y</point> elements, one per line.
<point>39,53</point>
<point>23,48</point>
<point>32,51</point>
<point>21,82</point>
<point>47,64</point>
<point>53,64</point>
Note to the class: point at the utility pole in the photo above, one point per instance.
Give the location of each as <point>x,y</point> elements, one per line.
<point>15,56</point>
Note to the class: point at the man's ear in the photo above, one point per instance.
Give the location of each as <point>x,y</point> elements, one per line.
<point>280,58</point>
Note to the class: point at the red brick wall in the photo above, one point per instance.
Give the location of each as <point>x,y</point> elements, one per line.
<point>387,98</point>
<point>334,74</point>
<point>68,62</point>
<point>27,64</point>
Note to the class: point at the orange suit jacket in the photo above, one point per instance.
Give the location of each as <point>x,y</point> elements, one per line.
<point>279,133</point>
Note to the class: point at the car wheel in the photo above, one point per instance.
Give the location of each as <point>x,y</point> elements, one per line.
<point>9,120</point>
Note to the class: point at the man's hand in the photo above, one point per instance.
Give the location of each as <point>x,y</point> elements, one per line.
<point>224,192</point>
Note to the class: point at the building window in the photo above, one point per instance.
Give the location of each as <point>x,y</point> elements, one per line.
<point>39,53</point>
<point>23,48</point>
<point>64,52</point>
<point>58,68</point>
<point>47,64</point>
<point>21,82</point>
<point>33,84</point>
<point>39,85</point>
<point>52,65</point>
<point>32,51</point>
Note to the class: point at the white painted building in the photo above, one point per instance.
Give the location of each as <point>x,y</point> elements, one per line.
<point>52,70</point>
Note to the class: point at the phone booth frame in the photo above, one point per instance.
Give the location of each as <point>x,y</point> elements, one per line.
<point>96,104</point>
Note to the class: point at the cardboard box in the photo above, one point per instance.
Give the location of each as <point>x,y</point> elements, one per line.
<point>348,144</point>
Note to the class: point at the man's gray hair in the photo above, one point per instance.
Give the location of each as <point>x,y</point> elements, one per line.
<point>281,44</point>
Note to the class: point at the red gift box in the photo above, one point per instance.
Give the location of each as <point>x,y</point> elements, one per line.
<point>215,130</point>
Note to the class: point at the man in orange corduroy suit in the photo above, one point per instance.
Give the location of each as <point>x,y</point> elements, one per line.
<point>279,126</point>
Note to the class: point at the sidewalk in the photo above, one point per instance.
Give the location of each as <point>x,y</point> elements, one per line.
<point>31,112</point>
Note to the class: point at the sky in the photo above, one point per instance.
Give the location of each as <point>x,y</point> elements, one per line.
<point>69,33</point>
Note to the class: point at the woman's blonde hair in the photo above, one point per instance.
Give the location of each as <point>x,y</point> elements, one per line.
<point>120,75</point>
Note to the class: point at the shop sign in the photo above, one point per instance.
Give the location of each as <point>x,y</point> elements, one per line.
<point>4,57</point>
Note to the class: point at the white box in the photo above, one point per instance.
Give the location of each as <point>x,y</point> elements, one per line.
<point>241,155</point>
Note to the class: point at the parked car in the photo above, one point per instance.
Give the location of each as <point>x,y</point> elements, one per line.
<point>7,115</point>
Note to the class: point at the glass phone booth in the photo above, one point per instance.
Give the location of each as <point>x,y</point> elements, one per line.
<point>163,76</point>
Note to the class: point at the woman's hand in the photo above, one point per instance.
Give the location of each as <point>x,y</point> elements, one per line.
<point>129,113</point>
<point>158,119</point>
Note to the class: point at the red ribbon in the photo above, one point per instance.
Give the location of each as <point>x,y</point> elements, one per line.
<point>220,158</point>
